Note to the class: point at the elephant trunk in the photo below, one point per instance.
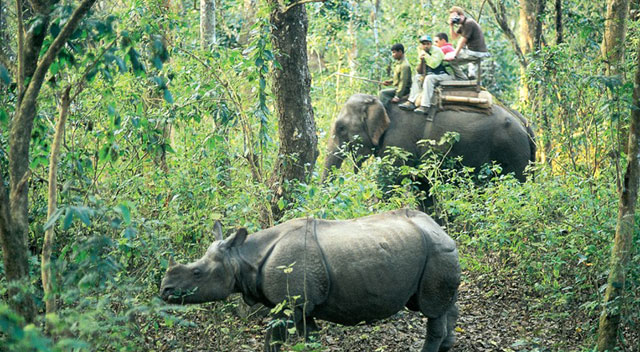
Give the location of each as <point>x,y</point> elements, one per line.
<point>334,158</point>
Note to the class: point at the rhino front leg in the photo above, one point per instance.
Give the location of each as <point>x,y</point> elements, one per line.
<point>308,328</point>
<point>276,334</point>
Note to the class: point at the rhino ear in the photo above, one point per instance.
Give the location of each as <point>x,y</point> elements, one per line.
<point>172,262</point>
<point>217,231</point>
<point>236,239</point>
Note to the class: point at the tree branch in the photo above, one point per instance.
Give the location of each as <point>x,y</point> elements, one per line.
<point>81,82</point>
<point>500,15</point>
<point>38,77</point>
<point>21,63</point>
<point>299,2</point>
<point>4,208</point>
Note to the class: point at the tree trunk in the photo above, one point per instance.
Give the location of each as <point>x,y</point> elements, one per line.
<point>207,23</point>
<point>291,84</point>
<point>7,57</point>
<point>559,38</point>
<point>50,235</point>
<point>14,205</point>
<point>623,245</point>
<point>615,29</point>
<point>531,12</point>
<point>353,38</point>
<point>374,16</point>
<point>249,18</point>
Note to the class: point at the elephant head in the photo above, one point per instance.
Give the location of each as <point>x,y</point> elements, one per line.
<point>357,130</point>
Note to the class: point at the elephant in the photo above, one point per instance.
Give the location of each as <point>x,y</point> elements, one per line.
<point>502,136</point>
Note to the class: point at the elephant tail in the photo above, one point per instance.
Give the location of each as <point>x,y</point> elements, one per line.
<point>533,146</point>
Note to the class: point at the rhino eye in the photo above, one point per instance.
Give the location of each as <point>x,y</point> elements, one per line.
<point>197,272</point>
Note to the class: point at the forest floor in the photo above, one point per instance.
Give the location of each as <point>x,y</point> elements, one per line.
<point>494,316</point>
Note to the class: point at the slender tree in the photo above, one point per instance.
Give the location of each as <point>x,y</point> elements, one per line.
<point>291,84</point>
<point>623,245</point>
<point>615,30</point>
<point>14,205</point>
<point>7,57</point>
<point>207,23</point>
<point>531,12</point>
<point>559,38</point>
<point>249,19</point>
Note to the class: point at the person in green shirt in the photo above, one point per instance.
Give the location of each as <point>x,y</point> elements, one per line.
<point>401,77</point>
<point>431,59</point>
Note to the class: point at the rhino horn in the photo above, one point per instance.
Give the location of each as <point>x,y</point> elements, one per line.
<point>217,231</point>
<point>172,262</point>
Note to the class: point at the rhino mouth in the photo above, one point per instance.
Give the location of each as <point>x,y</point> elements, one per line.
<point>176,295</point>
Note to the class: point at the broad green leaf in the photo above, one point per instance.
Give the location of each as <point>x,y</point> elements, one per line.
<point>5,76</point>
<point>121,64</point>
<point>68,219</point>
<point>157,62</point>
<point>103,154</point>
<point>54,217</point>
<point>84,214</point>
<point>124,211</point>
<point>168,97</point>
<point>3,116</point>
<point>129,233</point>
<point>53,69</point>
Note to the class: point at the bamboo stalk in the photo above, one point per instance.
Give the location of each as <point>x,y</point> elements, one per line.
<point>356,77</point>
<point>464,99</point>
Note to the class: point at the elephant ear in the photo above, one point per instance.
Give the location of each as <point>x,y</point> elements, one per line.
<point>377,121</point>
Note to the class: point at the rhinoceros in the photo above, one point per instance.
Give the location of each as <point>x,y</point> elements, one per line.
<point>345,272</point>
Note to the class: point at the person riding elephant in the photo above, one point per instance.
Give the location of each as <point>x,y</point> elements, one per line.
<point>502,136</point>
<point>431,62</point>
<point>401,77</point>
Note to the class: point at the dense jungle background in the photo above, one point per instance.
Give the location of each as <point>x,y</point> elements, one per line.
<point>163,116</point>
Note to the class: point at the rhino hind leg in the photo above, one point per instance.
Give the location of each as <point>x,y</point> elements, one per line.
<point>450,339</point>
<point>412,304</point>
<point>436,334</point>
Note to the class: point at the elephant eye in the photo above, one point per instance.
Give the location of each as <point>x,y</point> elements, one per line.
<point>197,272</point>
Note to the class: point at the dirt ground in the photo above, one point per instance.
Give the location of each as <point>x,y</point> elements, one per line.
<point>494,316</point>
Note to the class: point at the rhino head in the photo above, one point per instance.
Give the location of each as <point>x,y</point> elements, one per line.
<point>210,278</point>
